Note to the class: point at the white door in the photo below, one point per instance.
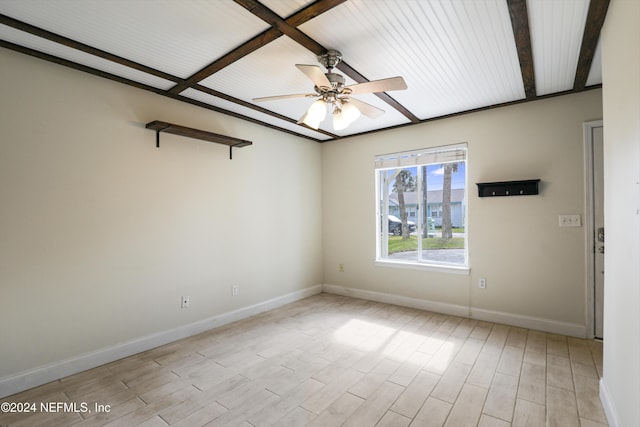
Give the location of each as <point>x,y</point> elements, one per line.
<point>598,231</point>
<point>594,226</point>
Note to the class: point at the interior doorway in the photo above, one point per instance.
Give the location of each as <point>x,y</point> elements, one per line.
<point>594,226</point>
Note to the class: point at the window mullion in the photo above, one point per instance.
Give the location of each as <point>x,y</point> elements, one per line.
<point>384,215</point>
<point>420,209</point>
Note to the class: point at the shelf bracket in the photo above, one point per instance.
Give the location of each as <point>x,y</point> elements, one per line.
<point>158,130</point>
<point>231,149</point>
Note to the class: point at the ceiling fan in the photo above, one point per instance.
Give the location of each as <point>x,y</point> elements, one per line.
<point>333,95</point>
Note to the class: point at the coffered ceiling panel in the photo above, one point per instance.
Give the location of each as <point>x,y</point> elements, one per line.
<point>557,28</point>
<point>177,37</point>
<point>455,56</point>
<point>76,56</point>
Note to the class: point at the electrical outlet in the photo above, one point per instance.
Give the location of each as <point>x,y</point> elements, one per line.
<point>185,302</point>
<point>234,290</point>
<point>482,283</point>
<point>341,268</point>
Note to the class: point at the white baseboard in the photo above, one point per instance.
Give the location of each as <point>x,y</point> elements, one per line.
<point>439,307</point>
<point>608,406</point>
<point>54,371</point>
<point>553,326</point>
<point>536,323</point>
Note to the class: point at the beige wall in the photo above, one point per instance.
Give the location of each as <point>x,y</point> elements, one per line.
<point>621,107</point>
<point>533,267</point>
<point>101,233</point>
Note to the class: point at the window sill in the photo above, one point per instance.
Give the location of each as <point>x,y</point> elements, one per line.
<point>444,268</point>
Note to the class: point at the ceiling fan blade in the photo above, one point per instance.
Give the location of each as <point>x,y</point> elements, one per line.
<point>382,85</point>
<point>315,74</point>
<point>295,95</point>
<point>366,109</point>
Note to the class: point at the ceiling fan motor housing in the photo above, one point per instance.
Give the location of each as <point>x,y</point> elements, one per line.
<point>337,80</point>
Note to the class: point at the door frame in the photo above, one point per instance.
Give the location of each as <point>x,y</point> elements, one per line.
<point>589,225</point>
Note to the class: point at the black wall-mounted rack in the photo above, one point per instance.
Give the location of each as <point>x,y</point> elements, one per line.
<point>232,142</point>
<point>527,187</point>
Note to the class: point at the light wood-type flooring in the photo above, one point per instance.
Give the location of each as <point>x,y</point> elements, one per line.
<point>330,360</point>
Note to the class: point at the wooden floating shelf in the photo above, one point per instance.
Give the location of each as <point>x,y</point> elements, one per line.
<point>527,187</point>
<point>232,142</point>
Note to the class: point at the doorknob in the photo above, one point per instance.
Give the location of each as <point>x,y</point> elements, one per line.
<point>600,234</point>
<point>601,249</point>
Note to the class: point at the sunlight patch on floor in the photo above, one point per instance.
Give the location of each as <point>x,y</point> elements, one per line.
<point>395,344</point>
<point>362,335</point>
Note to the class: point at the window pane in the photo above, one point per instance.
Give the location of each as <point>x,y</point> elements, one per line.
<point>402,209</point>
<point>445,206</point>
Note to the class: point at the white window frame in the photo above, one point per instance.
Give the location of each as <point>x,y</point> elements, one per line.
<point>419,158</point>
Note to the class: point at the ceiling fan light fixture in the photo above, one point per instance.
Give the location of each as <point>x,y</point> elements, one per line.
<point>317,111</point>
<point>309,121</point>
<point>339,120</point>
<point>350,111</point>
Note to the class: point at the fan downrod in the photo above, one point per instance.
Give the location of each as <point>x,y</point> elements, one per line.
<point>330,59</point>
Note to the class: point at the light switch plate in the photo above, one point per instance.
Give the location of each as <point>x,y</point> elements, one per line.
<point>569,221</point>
